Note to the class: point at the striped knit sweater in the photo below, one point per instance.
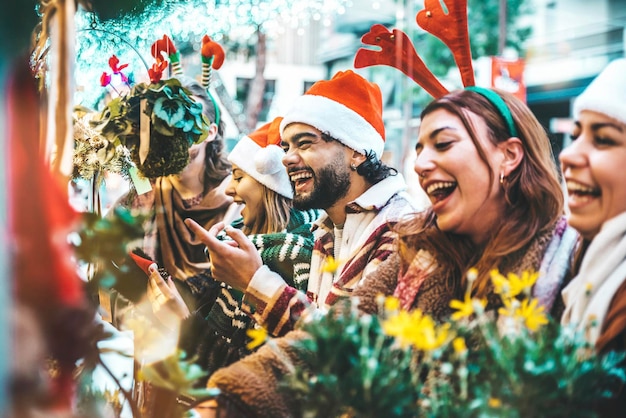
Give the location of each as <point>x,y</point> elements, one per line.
<point>216,333</point>
<point>366,241</point>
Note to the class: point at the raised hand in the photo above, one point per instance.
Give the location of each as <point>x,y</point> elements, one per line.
<point>233,263</point>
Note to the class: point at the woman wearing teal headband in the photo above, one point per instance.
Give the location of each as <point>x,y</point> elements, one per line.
<point>486,165</point>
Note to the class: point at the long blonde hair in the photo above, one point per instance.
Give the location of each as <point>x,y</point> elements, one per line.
<point>274,213</point>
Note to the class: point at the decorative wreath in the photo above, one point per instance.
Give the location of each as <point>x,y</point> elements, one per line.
<point>156,121</point>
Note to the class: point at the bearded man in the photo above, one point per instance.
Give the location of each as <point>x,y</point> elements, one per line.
<point>333,136</point>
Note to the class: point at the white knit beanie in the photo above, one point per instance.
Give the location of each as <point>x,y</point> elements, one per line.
<point>607,93</point>
<point>347,107</point>
<point>259,154</point>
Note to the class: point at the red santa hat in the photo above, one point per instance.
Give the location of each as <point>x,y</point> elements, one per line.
<point>260,156</point>
<point>347,107</point>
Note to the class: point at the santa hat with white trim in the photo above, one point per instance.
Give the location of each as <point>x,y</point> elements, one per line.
<point>259,154</point>
<point>347,107</point>
<point>607,93</point>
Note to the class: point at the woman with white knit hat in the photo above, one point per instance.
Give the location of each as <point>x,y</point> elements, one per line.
<point>593,168</point>
<point>217,332</point>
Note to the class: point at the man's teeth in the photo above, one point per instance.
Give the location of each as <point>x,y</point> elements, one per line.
<point>300,176</point>
<point>439,185</point>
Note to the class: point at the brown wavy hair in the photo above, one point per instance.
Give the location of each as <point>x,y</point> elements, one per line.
<point>534,199</point>
<point>216,165</point>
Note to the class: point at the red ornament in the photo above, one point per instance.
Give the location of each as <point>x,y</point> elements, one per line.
<point>114,64</point>
<point>105,79</point>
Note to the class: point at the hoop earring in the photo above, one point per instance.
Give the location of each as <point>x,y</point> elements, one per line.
<point>353,167</point>
<point>501,177</point>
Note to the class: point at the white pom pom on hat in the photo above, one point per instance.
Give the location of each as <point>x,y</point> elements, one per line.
<point>607,93</point>
<point>269,160</point>
<point>260,156</point>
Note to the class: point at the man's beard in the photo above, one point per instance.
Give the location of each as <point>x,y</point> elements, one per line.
<point>330,184</point>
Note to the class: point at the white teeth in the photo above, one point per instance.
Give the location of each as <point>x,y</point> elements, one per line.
<point>439,185</point>
<point>573,186</point>
<point>300,176</point>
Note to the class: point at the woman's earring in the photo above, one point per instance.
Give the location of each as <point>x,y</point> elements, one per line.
<point>501,177</point>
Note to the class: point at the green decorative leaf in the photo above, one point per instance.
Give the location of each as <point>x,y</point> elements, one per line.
<point>169,110</point>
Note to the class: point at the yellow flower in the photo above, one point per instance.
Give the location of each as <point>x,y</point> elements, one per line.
<point>330,265</point>
<point>428,336</point>
<point>510,305</point>
<point>459,345</point>
<point>495,403</point>
<point>463,309</point>
<point>521,283</point>
<point>466,307</point>
<point>401,325</point>
<point>392,303</point>
<point>414,328</point>
<point>500,283</point>
<point>512,285</point>
<point>258,336</point>
<point>533,315</point>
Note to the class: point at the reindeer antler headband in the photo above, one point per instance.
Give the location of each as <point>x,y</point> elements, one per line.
<point>397,50</point>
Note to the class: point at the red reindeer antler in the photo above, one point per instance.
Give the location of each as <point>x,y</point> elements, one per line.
<point>452,29</point>
<point>396,50</point>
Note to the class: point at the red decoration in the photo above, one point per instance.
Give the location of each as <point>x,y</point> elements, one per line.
<point>113,63</point>
<point>105,79</point>
<point>396,50</point>
<point>156,72</point>
<point>451,28</point>
<point>143,263</point>
<point>162,45</point>
<point>210,49</point>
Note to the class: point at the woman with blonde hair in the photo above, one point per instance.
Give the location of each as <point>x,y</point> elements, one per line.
<point>216,331</point>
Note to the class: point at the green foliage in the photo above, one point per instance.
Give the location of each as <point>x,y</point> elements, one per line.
<point>354,368</point>
<point>178,374</point>
<point>94,154</point>
<point>103,243</point>
<point>176,123</point>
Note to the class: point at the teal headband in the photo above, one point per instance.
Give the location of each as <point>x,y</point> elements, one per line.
<point>217,109</point>
<point>497,101</point>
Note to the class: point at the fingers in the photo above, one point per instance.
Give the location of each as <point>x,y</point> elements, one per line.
<point>215,245</point>
<point>207,237</point>
<point>155,295</point>
<point>239,238</point>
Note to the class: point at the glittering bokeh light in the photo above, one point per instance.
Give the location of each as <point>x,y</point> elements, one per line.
<point>186,22</point>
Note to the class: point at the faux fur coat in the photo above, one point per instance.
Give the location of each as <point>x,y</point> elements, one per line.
<point>251,385</point>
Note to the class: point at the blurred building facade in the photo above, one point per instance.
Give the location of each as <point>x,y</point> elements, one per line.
<point>572,41</point>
